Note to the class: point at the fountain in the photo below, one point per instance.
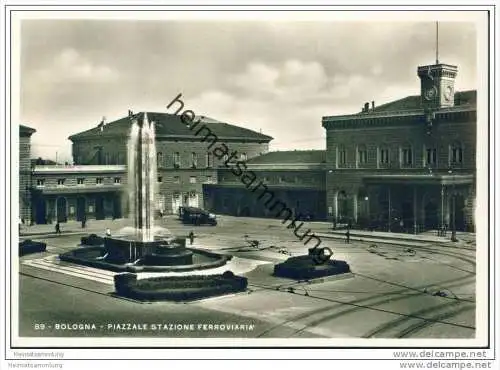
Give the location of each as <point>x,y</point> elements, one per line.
<point>144,246</point>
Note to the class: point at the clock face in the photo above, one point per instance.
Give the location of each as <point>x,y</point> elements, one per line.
<point>448,93</point>
<point>430,93</point>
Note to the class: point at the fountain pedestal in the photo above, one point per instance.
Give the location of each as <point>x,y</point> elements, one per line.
<point>158,252</point>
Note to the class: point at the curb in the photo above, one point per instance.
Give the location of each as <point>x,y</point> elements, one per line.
<point>396,241</point>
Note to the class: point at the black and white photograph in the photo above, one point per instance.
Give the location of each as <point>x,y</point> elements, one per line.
<point>202,178</point>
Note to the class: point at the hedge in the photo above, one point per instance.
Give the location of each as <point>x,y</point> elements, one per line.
<point>30,246</point>
<point>304,268</point>
<point>179,288</point>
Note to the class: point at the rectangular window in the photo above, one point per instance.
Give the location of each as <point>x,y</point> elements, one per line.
<point>40,182</point>
<point>177,160</point>
<point>177,180</point>
<point>342,157</point>
<point>210,160</point>
<point>362,156</point>
<point>192,179</point>
<point>80,181</point>
<point>117,180</point>
<point>194,160</point>
<point>407,159</point>
<point>431,156</point>
<point>384,156</point>
<point>99,180</point>
<point>160,179</point>
<point>60,182</point>
<point>159,159</point>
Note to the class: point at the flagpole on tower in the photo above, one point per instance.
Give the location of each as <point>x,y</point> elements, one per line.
<point>437,42</point>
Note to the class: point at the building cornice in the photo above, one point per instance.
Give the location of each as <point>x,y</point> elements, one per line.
<point>395,118</point>
<point>174,138</point>
<point>79,169</point>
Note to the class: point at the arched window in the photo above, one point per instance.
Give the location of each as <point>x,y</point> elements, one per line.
<point>362,155</point>
<point>383,156</point>
<point>406,156</point>
<point>456,153</point>
<point>430,156</point>
<point>342,159</point>
<point>342,206</point>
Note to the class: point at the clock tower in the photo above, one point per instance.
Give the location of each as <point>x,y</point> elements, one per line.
<point>437,85</point>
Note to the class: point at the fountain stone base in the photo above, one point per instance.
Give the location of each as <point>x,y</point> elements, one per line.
<point>157,253</point>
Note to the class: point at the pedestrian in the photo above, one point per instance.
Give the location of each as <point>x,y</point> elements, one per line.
<point>84,222</point>
<point>191,237</point>
<point>58,228</point>
<point>347,236</point>
<point>108,232</point>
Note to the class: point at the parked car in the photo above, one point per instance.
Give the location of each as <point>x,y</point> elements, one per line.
<point>29,246</point>
<point>196,216</point>
<point>92,239</point>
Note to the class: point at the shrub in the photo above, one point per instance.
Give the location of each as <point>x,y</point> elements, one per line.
<point>227,274</point>
<point>92,239</point>
<point>123,282</point>
<point>29,246</point>
<point>181,288</point>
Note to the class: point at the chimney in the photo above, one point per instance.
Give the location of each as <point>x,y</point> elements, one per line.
<point>373,105</point>
<point>367,107</point>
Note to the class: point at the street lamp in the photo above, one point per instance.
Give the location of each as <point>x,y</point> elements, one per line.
<point>453,221</point>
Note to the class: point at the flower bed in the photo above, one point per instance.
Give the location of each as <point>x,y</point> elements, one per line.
<point>179,288</point>
<point>305,268</point>
<point>92,239</point>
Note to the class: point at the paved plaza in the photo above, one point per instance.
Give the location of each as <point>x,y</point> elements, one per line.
<point>401,286</point>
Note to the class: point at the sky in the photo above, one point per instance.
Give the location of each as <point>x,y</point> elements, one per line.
<point>280,78</point>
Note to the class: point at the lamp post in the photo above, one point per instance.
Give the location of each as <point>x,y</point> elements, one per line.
<point>367,212</point>
<point>453,220</point>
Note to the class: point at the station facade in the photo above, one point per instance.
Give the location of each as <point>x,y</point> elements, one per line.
<point>409,165</point>
<point>94,187</point>
<point>295,178</point>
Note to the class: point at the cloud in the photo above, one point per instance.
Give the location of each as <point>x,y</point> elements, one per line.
<point>70,67</point>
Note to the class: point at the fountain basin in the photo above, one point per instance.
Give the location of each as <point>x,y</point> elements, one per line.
<point>94,257</point>
<point>161,252</point>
